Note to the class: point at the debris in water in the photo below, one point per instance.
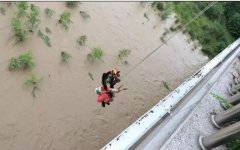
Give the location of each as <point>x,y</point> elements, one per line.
<point>145,15</point>
<point>165,84</point>
<point>90,75</point>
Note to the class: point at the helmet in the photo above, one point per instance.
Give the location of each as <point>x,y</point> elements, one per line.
<point>98,90</point>
<point>115,71</point>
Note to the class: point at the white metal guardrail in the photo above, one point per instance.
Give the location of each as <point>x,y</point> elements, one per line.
<point>134,132</point>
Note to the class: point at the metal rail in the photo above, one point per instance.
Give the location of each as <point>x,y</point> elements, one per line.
<point>134,132</point>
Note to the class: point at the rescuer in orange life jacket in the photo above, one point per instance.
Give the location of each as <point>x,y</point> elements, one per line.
<point>111,77</point>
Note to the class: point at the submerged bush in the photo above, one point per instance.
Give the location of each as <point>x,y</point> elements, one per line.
<point>47,41</point>
<point>160,6</point>
<point>2,11</point>
<point>23,5</point>
<point>84,14</point>
<point>18,29</point>
<point>26,60</point>
<point>164,8</point>
<point>123,54</point>
<point>72,4</point>
<point>96,53</point>
<point>23,62</point>
<point>65,19</point>
<point>17,23</point>
<point>48,30</point>
<point>33,81</point>
<point>49,12</point>
<point>21,8</point>
<point>14,64</point>
<point>65,56</point>
<point>45,38</point>
<point>82,39</point>
<point>33,18</point>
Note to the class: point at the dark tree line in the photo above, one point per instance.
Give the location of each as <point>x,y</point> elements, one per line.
<point>228,14</point>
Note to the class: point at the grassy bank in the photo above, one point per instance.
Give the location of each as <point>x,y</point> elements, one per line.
<point>210,29</point>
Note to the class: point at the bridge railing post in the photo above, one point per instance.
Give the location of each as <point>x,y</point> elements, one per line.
<point>235,99</point>
<point>220,137</point>
<point>226,116</point>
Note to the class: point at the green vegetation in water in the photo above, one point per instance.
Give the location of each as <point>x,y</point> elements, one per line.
<point>33,81</point>
<point>45,38</point>
<point>164,8</point>
<point>82,40</point>
<point>48,30</point>
<point>14,64</point>
<point>49,12</point>
<point>222,100</point>
<point>65,19</point>
<point>2,10</point>
<point>162,38</point>
<point>166,31</point>
<point>21,9</point>
<point>84,14</point>
<point>40,34</point>
<point>33,18</point>
<point>18,29</point>
<point>65,56</point>
<point>23,62</point>
<point>47,41</point>
<point>95,54</point>
<point>72,4</point>
<point>123,54</point>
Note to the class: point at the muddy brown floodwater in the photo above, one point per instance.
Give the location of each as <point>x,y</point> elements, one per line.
<point>65,115</point>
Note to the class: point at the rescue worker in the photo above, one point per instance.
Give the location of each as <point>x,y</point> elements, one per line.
<point>111,77</point>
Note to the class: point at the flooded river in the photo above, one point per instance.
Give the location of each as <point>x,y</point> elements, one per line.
<point>64,115</point>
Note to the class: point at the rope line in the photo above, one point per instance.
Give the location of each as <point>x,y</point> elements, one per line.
<point>199,14</point>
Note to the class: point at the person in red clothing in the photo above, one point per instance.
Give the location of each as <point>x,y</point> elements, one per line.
<point>104,96</point>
